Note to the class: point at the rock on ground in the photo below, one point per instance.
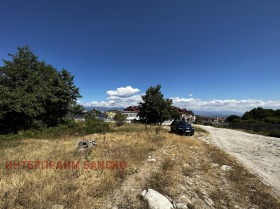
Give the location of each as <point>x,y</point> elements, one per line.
<point>181,206</point>
<point>156,200</point>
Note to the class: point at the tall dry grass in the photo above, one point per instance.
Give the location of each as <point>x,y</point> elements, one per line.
<point>72,188</point>
<point>178,158</point>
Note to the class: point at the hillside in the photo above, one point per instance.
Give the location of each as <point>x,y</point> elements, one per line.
<point>184,169</point>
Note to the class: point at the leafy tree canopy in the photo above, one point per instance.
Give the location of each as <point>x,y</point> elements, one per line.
<point>232,118</point>
<point>93,114</point>
<point>258,113</point>
<point>77,109</point>
<point>154,108</point>
<point>33,94</point>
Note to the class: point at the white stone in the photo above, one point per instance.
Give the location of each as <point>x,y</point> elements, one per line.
<point>226,168</point>
<point>213,165</point>
<point>181,206</point>
<point>152,160</point>
<point>156,200</point>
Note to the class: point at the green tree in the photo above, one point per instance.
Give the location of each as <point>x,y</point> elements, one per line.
<point>233,118</point>
<point>93,114</point>
<point>154,108</point>
<point>258,114</point>
<point>33,94</point>
<point>277,113</point>
<point>174,113</point>
<point>77,109</point>
<point>119,119</point>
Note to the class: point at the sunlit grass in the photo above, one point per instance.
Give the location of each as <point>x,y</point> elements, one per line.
<point>178,157</point>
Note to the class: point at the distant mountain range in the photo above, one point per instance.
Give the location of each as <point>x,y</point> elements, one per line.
<point>196,112</point>
<point>217,113</point>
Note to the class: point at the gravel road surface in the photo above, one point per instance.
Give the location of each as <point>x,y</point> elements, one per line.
<point>261,154</point>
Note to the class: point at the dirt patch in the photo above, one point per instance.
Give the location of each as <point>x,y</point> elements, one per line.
<point>196,174</point>
<point>260,154</point>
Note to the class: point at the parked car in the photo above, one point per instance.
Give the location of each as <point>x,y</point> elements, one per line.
<point>182,127</point>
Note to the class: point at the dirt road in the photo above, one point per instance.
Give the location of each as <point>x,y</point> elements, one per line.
<point>260,154</point>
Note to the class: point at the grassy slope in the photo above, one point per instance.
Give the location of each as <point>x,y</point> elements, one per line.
<point>184,166</point>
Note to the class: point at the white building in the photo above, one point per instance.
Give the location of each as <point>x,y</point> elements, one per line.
<point>130,115</point>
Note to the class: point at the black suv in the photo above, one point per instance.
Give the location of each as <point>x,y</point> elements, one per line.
<point>182,127</point>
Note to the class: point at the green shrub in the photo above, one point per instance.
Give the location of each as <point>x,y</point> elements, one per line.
<point>119,119</point>
<point>274,134</point>
<point>70,128</point>
<point>94,125</point>
<point>208,124</point>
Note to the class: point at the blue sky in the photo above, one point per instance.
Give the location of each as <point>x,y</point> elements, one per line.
<point>207,55</point>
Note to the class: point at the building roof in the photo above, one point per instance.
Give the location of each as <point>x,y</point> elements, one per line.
<point>132,108</point>
<point>184,111</point>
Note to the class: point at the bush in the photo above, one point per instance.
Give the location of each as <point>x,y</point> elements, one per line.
<point>70,128</point>
<point>119,119</point>
<point>94,125</point>
<point>232,118</point>
<point>208,124</point>
<point>44,133</point>
<point>274,134</point>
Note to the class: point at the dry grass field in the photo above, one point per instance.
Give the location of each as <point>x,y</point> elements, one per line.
<point>183,168</point>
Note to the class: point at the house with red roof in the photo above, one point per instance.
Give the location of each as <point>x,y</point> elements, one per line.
<point>185,114</point>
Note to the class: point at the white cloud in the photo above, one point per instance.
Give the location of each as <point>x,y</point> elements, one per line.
<point>121,97</point>
<point>122,92</point>
<point>190,95</point>
<point>128,96</point>
<point>224,105</point>
<point>120,102</point>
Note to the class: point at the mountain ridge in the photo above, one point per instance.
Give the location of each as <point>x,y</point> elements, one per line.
<point>196,112</point>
